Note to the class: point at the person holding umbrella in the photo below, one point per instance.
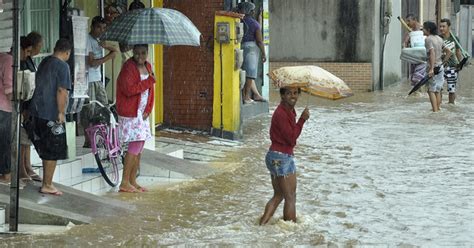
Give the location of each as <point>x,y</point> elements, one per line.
<point>135,98</point>
<point>434,46</point>
<point>284,131</point>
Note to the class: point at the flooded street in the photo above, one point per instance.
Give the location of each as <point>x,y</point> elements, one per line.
<point>374,169</point>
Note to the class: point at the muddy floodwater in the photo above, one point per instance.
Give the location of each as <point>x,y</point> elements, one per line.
<point>377,169</point>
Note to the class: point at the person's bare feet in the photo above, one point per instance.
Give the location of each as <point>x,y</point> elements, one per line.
<point>5,178</point>
<point>50,190</point>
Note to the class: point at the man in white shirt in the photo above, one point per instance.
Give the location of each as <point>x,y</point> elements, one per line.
<point>94,60</point>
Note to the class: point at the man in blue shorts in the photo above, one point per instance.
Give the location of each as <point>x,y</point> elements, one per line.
<point>284,131</point>
<point>45,126</point>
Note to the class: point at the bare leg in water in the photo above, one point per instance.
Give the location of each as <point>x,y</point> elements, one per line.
<point>285,187</point>
<point>434,99</point>
<point>452,98</point>
<point>273,203</point>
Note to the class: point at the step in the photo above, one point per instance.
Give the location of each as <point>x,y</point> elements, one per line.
<point>69,172</point>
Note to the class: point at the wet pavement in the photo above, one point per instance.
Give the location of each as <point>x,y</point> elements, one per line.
<point>377,169</point>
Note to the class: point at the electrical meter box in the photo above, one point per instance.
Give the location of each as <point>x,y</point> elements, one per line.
<point>239,31</point>
<point>239,58</point>
<point>223,32</point>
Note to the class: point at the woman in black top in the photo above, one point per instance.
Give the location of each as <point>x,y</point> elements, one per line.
<point>30,46</point>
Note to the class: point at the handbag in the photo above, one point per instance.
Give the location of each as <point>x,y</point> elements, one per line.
<point>27,85</point>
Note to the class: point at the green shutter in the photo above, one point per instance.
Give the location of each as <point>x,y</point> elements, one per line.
<point>42,16</point>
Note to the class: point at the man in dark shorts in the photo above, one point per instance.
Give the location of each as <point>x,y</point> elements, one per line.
<point>46,126</point>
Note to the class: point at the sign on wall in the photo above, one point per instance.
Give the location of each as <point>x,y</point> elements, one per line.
<point>266,24</point>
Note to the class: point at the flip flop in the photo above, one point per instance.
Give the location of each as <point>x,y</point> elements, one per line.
<point>143,189</point>
<point>128,190</point>
<point>55,193</point>
<point>36,177</point>
<point>261,100</point>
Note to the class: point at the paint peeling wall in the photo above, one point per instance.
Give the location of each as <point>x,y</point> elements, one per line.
<point>323,30</point>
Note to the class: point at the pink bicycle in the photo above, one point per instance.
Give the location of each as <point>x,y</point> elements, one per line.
<point>105,144</point>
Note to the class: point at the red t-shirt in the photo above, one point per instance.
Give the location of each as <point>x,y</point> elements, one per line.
<point>284,129</point>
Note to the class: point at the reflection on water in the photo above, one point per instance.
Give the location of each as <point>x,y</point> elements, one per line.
<point>377,168</point>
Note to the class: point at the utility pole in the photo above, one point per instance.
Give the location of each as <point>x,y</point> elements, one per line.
<point>14,185</point>
<point>438,12</point>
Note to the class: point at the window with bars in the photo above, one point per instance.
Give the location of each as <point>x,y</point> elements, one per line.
<point>41,16</point>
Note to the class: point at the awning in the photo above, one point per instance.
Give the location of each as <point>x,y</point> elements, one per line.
<point>6,25</point>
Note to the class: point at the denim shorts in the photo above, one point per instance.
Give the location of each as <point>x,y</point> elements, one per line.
<point>251,55</point>
<point>280,164</point>
<point>436,82</point>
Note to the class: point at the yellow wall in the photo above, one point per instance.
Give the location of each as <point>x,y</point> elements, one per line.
<point>230,83</point>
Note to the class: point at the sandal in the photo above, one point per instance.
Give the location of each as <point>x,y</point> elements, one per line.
<point>248,101</point>
<point>130,190</point>
<point>55,193</point>
<point>142,189</point>
<point>36,177</point>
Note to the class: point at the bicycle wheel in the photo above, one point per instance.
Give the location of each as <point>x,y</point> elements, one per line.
<point>108,166</point>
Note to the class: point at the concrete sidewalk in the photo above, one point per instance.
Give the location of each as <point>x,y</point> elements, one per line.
<point>77,206</point>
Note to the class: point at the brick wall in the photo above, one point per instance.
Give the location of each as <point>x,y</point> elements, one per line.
<point>358,76</point>
<point>188,71</point>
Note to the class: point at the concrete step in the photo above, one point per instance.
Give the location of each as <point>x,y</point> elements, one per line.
<point>69,172</point>
<point>73,206</point>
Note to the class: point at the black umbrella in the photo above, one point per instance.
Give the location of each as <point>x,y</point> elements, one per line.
<point>419,84</point>
<point>462,63</point>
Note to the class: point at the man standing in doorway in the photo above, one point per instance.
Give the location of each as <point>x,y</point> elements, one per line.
<point>47,109</point>
<point>450,61</point>
<point>95,58</point>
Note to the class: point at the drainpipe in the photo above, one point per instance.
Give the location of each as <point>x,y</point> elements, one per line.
<point>382,3</point>
<point>385,15</point>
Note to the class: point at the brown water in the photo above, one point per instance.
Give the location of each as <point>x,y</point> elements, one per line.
<point>375,169</point>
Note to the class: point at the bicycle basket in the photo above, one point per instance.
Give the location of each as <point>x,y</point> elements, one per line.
<point>101,115</point>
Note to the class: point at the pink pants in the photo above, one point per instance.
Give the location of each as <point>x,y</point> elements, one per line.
<point>136,147</point>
